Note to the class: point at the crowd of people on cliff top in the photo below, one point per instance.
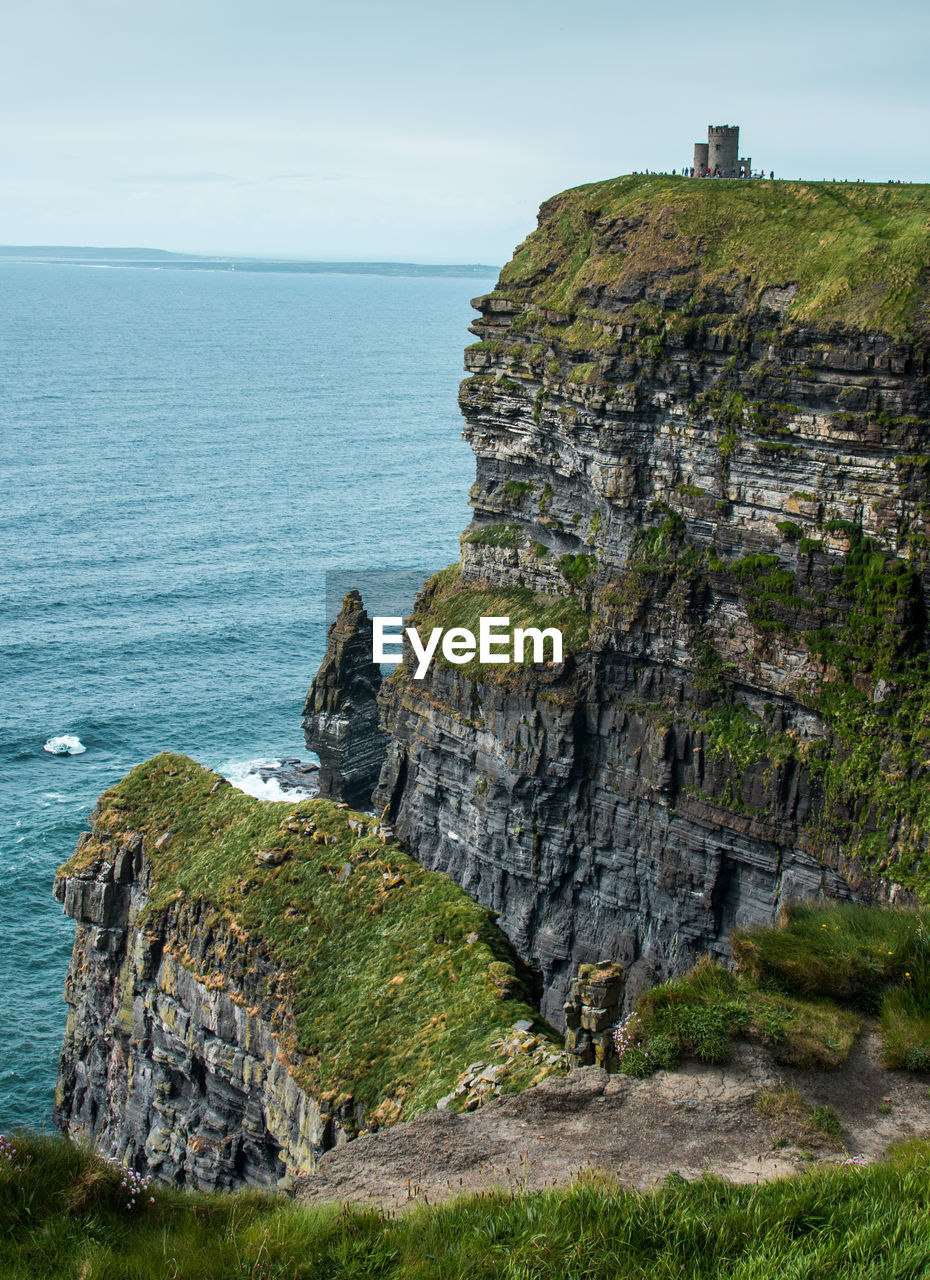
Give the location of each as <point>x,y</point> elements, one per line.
<point>687,171</point>
<point>718,173</point>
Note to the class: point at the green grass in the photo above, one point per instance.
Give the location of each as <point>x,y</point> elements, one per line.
<point>495,535</point>
<point>733,731</point>
<point>797,988</point>
<point>62,1217</point>
<point>515,490</point>
<point>858,253</point>
<point>577,569</point>
<point>905,1029</point>
<point>380,996</point>
<point>446,603</point>
<point>701,1012</point>
<point>794,1121</point>
<point>846,952</point>
<point>875,959</point>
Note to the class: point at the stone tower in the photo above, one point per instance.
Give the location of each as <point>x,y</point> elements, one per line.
<point>723,148</point>
<point>720,153</point>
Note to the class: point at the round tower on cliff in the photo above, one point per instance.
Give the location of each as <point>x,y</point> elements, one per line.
<point>700,157</point>
<point>723,148</point>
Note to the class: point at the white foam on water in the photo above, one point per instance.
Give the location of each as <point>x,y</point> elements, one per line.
<point>239,774</point>
<point>66,744</point>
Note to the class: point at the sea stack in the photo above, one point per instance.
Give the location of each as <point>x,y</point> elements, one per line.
<point>341,712</point>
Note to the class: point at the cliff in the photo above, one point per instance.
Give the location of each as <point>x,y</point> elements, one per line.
<point>253,983</point>
<point>700,418</point>
<point>699,413</point>
<point>341,712</point>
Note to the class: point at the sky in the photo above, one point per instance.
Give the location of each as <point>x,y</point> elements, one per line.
<point>423,131</point>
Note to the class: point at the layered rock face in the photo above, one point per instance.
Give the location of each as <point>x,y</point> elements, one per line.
<point>253,983</point>
<point>175,1073</point>
<point>341,713</point>
<point>699,414</point>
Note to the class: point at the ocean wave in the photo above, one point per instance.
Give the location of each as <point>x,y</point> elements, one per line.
<point>243,775</point>
<point>66,744</point>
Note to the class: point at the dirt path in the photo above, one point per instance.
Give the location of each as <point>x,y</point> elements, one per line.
<point>687,1121</point>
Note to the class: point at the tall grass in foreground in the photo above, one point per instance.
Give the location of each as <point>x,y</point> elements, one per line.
<point>63,1213</point>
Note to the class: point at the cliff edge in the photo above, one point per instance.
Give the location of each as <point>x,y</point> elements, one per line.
<point>699,413</point>
<point>253,983</point>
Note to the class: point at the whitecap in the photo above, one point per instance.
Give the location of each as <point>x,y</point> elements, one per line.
<point>66,744</point>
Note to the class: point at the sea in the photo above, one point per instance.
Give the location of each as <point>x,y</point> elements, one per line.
<point>188,457</point>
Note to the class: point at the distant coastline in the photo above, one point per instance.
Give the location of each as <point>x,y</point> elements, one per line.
<point>162,259</point>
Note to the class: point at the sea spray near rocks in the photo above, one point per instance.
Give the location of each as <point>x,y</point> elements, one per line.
<point>66,744</point>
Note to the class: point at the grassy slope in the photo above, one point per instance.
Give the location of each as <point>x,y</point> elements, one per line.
<point>798,989</point>
<point>702,1011</point>
<point>858,254</point>
<point>63,1214</point>
<point>446,603</point>
<point>873,959</point>
<point>392,1001</point>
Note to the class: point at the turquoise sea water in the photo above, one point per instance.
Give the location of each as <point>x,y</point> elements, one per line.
<point>184,455</point>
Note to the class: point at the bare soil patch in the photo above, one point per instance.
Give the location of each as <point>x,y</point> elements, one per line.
<point>699,1118</point>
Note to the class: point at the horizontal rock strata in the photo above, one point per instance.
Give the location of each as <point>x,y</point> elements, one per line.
<point>167,1071</point>
<point>341,712</point>
<point>726,476</point>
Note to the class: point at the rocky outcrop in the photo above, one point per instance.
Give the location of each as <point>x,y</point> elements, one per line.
<point>292,775</point>
<point>591,1013</point>
<point>341,712</point>
<point>178,1074</point>
<point>719,476</point>
<point>253,983</point>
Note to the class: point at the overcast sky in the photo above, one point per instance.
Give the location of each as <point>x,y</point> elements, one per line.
<point>418,130</point>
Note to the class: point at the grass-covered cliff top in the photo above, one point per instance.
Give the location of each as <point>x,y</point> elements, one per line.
<point>448,602</point>
<point>858,254</point>
<point>398,979</point>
